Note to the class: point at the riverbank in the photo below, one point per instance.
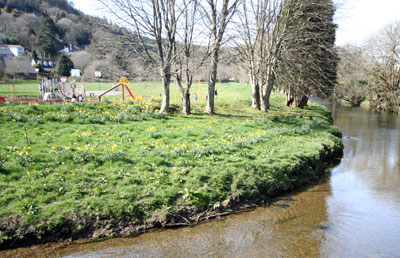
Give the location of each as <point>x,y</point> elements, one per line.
<point>365,104</point>
<point>108,169</point>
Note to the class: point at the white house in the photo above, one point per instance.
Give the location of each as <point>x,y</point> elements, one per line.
<point>69,51</point>
<point>17,50</point>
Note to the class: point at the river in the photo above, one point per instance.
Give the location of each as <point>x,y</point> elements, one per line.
<point>355,212</point>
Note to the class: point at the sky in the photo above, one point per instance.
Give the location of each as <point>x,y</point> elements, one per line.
<point>357,20</point>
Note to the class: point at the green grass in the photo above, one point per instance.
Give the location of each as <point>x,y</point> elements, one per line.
<point>228,91</point>
<point>69,168</point>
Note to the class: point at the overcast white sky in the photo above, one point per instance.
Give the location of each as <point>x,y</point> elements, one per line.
<point>357,19</point>
<point>360,19</point>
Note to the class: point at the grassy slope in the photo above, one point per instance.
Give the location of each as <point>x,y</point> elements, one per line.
<point>77,168</point>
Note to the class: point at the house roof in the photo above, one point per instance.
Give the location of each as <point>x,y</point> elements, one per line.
<point>45,63</point>
<point>20,65</point>
<point>8,45</point>
<point>5,51</point>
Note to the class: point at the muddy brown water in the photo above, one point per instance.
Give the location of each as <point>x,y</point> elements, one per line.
<point>355,212</point>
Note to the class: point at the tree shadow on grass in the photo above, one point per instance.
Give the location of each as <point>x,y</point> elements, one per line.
<point>320,111</point>
<point>224,115</point>
<point>4,171</point>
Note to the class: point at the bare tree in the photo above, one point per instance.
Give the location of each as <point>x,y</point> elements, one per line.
<point>384,54</point>
<point>154,19</point>
<point>20,27</point>
<point>262,29</point>
<point>216,15</point>
<point>184,59</point>
<point>107,68</point>
<point>82,59</point>
<point>65,26</point>
<point>250,43</point>
<point>188,56</point>
<point>352,84</point>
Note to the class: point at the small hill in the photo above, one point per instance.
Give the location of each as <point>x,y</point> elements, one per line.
<point>45,27</point>
<point>22,21</point>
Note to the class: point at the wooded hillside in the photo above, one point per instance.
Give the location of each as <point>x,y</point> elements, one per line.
<point>45,27</point>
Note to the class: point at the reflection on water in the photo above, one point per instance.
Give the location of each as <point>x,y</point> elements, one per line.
<point>354,213</point>
<point>364,207</point>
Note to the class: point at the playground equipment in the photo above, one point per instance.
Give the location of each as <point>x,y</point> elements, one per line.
<point>48,90</point>
<point>54,90</point>
<point>71,90</point>
<point>125,84</point>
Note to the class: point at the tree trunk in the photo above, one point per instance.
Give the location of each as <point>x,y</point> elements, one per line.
<point>166,79</point>
<point>211,83</point>
<point>289,98</point>
<point>186,102</point>
<point>301,101</point>
<point>255,94</point>
<point>267,100</point>
<point>264,101</point>
<point>266,93</point>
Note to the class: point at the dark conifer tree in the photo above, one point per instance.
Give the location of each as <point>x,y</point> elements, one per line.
<point>46,40</point>
<point>64,66</point>
<point>310,60</point>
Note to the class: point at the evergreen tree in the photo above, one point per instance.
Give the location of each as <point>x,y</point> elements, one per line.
<point>34,54</point>
<point>64,66</point>
<point>310,60</point>
<point>46,40</point>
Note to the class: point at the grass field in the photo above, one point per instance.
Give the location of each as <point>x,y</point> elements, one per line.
<point>227,91</point>
<point>98,168</point>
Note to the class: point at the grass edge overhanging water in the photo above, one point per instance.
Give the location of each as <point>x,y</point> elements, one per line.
<point>248,160</point>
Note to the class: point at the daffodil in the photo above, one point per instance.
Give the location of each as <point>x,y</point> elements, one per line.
<point>150,129</point>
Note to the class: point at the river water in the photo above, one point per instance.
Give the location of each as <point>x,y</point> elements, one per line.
<point>355,212</point>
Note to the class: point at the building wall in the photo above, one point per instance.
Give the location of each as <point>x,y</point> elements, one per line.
<point>17,50</point>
